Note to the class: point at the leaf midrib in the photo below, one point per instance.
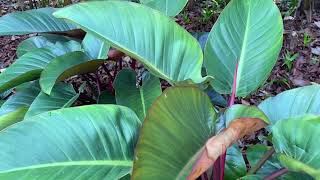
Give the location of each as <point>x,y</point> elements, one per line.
<point>125,163</point>
<point>243,49</point>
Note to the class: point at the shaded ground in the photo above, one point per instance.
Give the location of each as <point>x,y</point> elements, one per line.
<point>302,40</point>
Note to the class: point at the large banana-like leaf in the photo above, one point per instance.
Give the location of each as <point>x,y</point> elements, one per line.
<point>14,109</point>
<point>29,66</point>
<point>60,97</point>
<point>87,142</point>
<point>235,165</point>
<point>177,125</point>
<point>65,66</point>
<point>243,46</point>
<point>296,140</point>
<point>95,47</point>
<point>139,99</point>
<point>165,48</point>
<point>31,21</point>
<point>39,42</point>
<point>292,103</point>
<point>169,8</point>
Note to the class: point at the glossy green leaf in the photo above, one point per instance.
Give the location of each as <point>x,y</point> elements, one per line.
<point>32,21</point>
<point>296,140</point>
<point>66,66</point>
<point>166,49</point>
<point>177,126</point>
<point>87,142</point>
<point>256,152</point>
<point>169,8</point>
<point>94,47</point>
<point>243,111</point>
<point>22,98</point>
<point>248,33</point>
<point>235,166</point>
<point>39,42</point>
<point>139,99</point>
<point>60,97</point>
<point>29,66</point>
<point>292,103</point>
<point>14,109</point>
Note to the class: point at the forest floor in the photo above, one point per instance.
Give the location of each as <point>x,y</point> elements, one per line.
<point>298,64</point>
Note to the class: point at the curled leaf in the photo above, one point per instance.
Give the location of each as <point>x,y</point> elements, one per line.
<point>218,144</point>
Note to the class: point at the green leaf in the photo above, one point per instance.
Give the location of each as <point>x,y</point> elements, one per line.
<point>60,97</point>
<point>166,49</point>
<point>94,47</point>
<point>39,42</point>
<point>22,98</point>
<point>15,108</point>
<point>177,126</point>
<point>169,8</point>
<point>246,38</point>
<point>66,66</point>
<point>235,166</point>
<point>292,103</point>
<point>296,140</point>
<point>256,152</point>
<point>139,99</point>
<point>243,111</point>
<point>87,142</point>
<point>12,117</point>
<point>106,98</point>
<point>29,66</point>
<point>32,21</point>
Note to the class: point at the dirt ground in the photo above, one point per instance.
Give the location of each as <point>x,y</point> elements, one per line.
<point>301,40</point>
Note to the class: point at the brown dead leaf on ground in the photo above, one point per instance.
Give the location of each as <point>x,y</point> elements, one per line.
<point>218,144</point>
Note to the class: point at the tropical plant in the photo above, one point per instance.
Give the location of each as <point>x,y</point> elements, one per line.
<point>149,134</point>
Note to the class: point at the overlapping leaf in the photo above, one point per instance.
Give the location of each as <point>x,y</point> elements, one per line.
<point>293,103</point>
<point>31,21</point>
<point>296,140</point>
<point>244,43</point>
<point>169,8</point>
<point>94,47</point>
<point>65,66</point>
<point>165,48</point>
<point>139,99</point>
<point>177,126</point>
<point>29,66</point>
<point>39,42</point>
<point>63,95</point>
<point>87,142</point>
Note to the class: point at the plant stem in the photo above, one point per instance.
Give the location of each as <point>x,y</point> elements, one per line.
<point>276,174</point>
<point>204,176</point>
<point>98,83</point>
<point>264,159</point>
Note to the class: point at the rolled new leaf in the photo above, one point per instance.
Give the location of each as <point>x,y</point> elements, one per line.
<point>217,145</point>
<point>87,142</point>
<point>166,49</point>
<point>243,46</point>
<point>32,21</point>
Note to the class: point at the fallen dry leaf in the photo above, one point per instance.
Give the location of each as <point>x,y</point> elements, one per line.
<point>217,145</point>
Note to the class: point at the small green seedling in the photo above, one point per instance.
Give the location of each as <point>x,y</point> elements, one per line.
<point>306,39</point>
<point>289,59</point>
